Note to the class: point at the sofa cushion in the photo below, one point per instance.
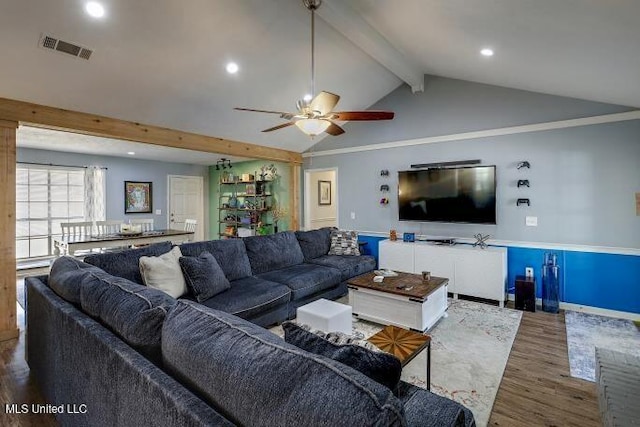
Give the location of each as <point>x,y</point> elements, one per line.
<point>230,254</point>
<point>203,276</point>
<point>304,279</point>
<point>126,263</point>
<point>257,379</point>
<point>273,252</point>
<point>164,273</point>
<point>374,363</point>
<point>134,312</point>
<point>349,266</point>
<point>66,276</point>
<point>250,296</point>
<point>344,242</point>
<point>314,243</point>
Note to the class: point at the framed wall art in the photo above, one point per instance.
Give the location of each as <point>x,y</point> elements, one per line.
<point>137,197</point>
<point>324,192</point>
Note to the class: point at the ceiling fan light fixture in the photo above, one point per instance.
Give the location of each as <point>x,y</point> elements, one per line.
<point>312,127</point>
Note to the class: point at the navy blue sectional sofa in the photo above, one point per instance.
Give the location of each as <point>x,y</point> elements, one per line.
<point>136,356</point>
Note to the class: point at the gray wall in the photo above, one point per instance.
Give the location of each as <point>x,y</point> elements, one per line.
<point>583,180</point>
<point>120,169</point>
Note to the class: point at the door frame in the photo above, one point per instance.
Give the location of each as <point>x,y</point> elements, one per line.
<point>200,230</point>
<point>308,195</point>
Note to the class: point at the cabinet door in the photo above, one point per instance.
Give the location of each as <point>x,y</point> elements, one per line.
<point>397,256</point>
<point>481,274</point>
<point>440,261</point>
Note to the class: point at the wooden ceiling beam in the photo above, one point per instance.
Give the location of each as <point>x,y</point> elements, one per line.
<point>89,124</point>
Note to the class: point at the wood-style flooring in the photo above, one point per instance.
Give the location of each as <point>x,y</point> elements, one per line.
<point>536,388</point>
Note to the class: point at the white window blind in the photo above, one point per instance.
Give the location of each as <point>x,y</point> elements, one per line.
<point>45,197</point>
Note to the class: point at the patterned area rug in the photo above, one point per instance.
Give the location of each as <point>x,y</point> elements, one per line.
<point>585,332</point>
<point>469,351</point>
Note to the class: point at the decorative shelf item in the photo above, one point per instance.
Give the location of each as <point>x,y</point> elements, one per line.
<point>481,240</point>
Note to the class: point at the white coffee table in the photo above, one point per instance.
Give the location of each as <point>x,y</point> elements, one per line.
<point>327,316</point>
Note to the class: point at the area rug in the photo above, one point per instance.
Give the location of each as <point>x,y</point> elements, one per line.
<point>585,332</point>
<point>469,351</point>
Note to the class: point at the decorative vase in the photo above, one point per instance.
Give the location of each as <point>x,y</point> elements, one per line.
<point>550,283</point>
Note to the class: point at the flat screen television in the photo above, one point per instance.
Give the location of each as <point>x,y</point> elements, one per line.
<point>462,194</point>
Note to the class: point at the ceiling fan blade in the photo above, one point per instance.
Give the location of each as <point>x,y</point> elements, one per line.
<point>324,102</point>
<point>284,125</point>
<point>361,115</point>
<point>282,113</point>
<point>334,129</point>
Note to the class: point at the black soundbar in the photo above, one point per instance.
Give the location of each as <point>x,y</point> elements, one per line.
<point>445,164</point>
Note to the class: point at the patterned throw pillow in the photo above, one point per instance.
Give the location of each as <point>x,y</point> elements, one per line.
<point>344,242</point>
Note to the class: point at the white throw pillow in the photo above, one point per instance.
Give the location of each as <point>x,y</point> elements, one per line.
<point>163,272</point>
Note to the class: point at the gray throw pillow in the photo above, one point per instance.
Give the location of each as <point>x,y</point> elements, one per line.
<point>344,242</point>
<point>363,356</point>
<point>204,276</point>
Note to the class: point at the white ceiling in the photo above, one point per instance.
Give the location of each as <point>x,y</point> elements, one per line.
<point>161,62</point>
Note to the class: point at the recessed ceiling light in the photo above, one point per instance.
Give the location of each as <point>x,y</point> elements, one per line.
<point>95,9</point>
<point>131,153</point>
<point>232,68</point>
<point>486,52</point>
<point>307,97</point>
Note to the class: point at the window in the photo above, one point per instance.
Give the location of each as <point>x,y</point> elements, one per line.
<point>46,196</point>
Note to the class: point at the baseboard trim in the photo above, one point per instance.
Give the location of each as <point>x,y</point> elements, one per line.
<point>590,310</point>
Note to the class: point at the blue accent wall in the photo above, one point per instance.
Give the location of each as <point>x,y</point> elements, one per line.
<point>603,280</point>
<point>372,245</point>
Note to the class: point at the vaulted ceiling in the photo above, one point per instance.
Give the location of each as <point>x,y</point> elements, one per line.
<point>162,62</point>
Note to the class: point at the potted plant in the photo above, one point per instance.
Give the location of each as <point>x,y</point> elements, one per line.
<point>278,213</point>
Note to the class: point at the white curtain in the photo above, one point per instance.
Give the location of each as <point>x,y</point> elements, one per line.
<point>94,194</point>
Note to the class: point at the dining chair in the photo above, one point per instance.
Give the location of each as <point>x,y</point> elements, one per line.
<point>108,227</point>
<point>77,230</point>
<point>190,225</point>
<point>145,224</point>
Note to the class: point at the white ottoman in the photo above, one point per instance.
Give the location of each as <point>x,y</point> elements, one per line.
<point>327,316</point>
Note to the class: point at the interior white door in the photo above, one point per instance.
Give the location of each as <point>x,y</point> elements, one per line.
<point>186,201</point>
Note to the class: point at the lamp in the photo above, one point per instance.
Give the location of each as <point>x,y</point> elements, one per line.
<point>312,127</point>
<point>224,163</point>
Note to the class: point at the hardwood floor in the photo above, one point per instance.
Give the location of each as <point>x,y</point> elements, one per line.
<point>536,389</point>
<point>16,386</point>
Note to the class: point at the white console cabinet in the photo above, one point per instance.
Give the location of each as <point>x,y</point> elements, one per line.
<point>471,271</point>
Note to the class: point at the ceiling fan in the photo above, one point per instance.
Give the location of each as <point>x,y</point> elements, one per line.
<point>315,114</point>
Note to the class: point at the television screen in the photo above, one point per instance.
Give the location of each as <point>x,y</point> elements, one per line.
<point>466,194</point>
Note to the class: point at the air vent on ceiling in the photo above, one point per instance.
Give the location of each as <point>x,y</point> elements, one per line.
<point>49,42</point>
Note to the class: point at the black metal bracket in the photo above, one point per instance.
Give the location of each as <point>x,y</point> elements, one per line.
<point>523,183</point>
<point>524,164</point>
<point>522,202</point>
